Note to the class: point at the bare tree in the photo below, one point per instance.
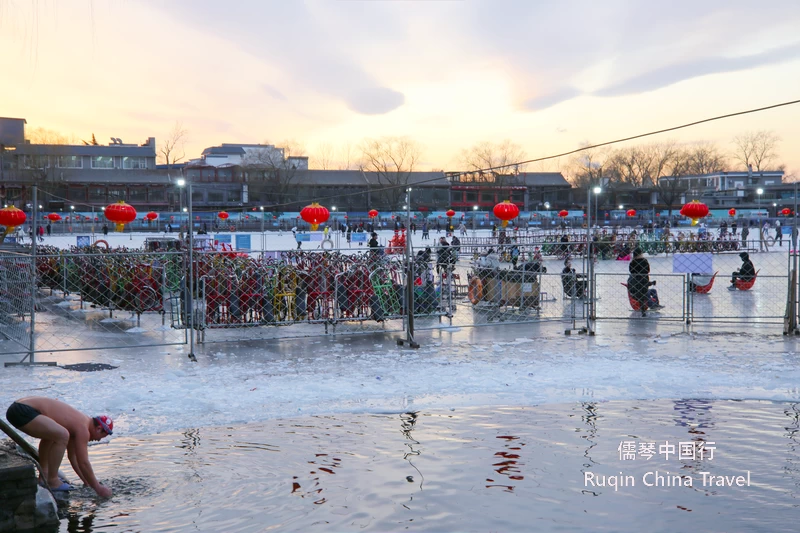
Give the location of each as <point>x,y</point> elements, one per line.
<point>42,166</point>
<point>668,185</point>
<point>346,157</point>
<point>173,149</point>
<point>705,158</point>
<point>641,165</point>
<point>323,158</point>
<point>587,167</point>
<point>392,160</point>
<point>271,173</point>
<point>494,162</point>
<point>758,149</point>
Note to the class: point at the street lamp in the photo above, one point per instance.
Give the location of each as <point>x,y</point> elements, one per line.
<point>180,183</point>
<point>759,192</point>
<point>596,190</point>
<point>474,207</point>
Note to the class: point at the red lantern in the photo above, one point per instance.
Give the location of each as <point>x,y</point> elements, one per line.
<point>694,210</point>
<point>631,212</point>
<point>53,217</point>
<point>373,213</point>
<point>11,217</point>
<point>506,211</point>
<point>151,216</point>
<point>563,213</point>
<point>732,212</point>
<point>222,215</point>
<point>120,214</point>
<point>786,211</point>
<point>315,215</point>
<point>450,213</point>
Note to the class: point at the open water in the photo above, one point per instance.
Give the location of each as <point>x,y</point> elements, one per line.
<point>479,469</point>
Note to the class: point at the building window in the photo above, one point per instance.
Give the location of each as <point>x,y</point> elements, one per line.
<point>137,194</point>
<point>70,161</point>
<point>472,197</point>
<point>97,194</point>
<point>103,161</point>
<point>518,196</point>
<point>114,195</point>
<point>215,197</point>
<point>35,161</point>
<point>487,197</point>
<point>134,163</point>
<point>234,196</point>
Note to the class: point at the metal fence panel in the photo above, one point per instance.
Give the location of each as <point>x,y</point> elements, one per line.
<point>614,300</point>
<point>16,305</point>
<point>308,292</point>
<point>105,299</point>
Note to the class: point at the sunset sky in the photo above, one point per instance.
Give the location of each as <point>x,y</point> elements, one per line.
<point>550,76</point>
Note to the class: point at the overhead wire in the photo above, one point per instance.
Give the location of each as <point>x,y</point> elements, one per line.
<point>449,175</point>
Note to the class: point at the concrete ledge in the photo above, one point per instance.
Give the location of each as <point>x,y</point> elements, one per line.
<point>24,505</point>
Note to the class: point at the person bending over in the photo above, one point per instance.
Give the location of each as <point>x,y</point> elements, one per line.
<point>61,428</point>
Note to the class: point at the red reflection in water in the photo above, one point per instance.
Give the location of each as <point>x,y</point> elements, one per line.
<point>510,465</point>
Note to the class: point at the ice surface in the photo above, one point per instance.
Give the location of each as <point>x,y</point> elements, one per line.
<point>159,389</point>
<point>156,390</point>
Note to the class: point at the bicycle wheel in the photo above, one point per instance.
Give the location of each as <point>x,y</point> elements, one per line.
<point>147,300</point>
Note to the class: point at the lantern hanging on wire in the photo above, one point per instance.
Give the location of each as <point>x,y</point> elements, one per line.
<point>631,212</point>
<point>695,210</point>
<point>315,215</point>
<point>151,216</point>
<point>786,211</point>
<point>222,215</point>
<point>732,212</point>
<point>53,217</point>
<point>373,213</point>
<point>563,213</point>
<point>120,214</point>
<point>450,213</point>
<point>11,217</point>
<point>506,211</point>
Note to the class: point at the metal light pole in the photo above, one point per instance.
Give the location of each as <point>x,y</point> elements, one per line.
<point>409,340</point>
<point>759,192</point>
<point>191,276</point>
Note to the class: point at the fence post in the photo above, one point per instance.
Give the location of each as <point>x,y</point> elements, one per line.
<point>409,340</point>
<point>33,289</point>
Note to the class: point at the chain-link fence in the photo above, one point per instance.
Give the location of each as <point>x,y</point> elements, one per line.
<point>16,301</point>
<point>697,281</point>
<point>308,292</point>
<point>101,299</point>
<point>116,298</point>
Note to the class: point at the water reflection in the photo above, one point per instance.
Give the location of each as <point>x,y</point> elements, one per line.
<point>407,423</point>
<point>509,463</point>
<point>347,472</point>
<point>792,467</point>
<point>589,418</point>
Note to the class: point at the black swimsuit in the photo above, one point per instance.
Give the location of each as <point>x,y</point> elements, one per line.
<point>20,414</point>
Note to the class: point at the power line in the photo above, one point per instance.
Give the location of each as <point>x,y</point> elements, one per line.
<point>577,150</point>
<point>536,160</point>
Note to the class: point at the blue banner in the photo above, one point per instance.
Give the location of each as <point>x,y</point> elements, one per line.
<point>223,238</point>
<point>243,242</point>
<point>83,240</point>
